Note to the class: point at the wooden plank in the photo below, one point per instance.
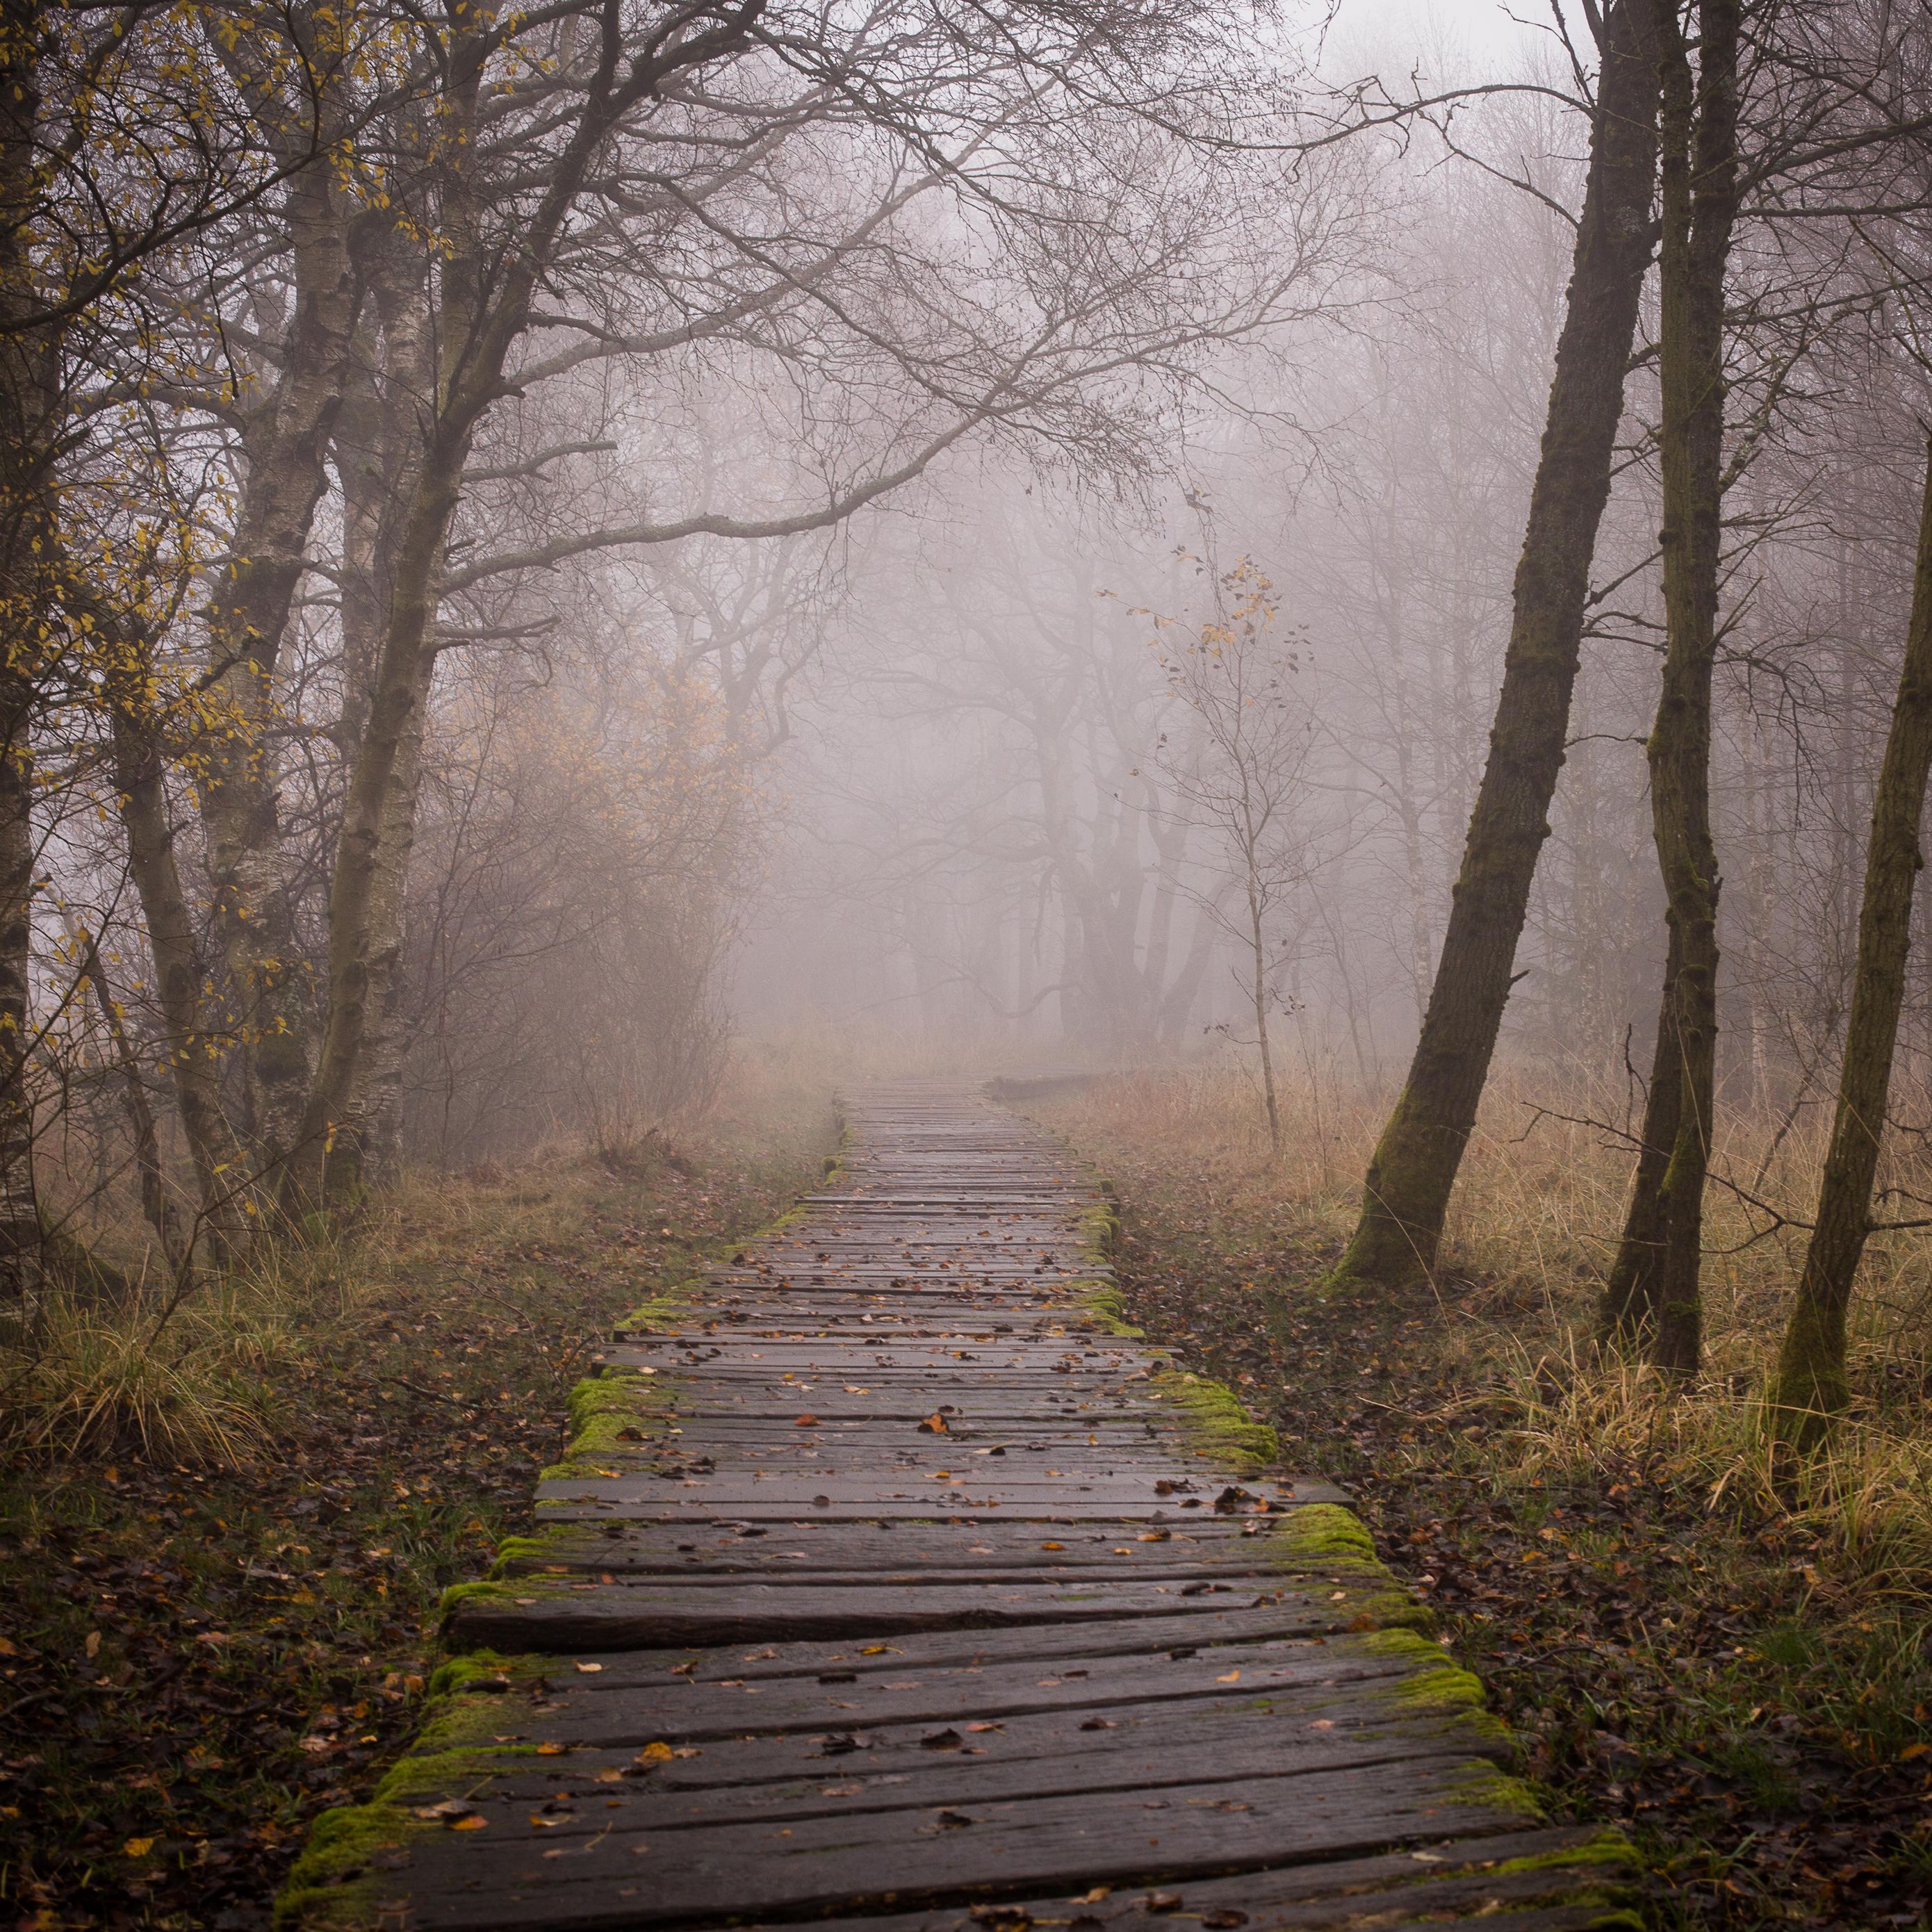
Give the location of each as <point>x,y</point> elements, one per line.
<point>1220,1549</point>
<point>683,1875</point>
<point>639,1696</point>
<point>636,1615</point>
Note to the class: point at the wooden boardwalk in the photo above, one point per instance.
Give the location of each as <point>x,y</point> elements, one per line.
<point>892,1582</point>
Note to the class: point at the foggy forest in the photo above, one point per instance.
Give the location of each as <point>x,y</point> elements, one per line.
<point>1323,605</point>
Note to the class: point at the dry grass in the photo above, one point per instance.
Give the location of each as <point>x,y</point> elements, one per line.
<point>1533,1226</point>
<point>186,1371</point>
<point>1734,1660</point>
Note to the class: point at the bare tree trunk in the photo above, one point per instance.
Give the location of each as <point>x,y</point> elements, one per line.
<point>1629,1307</point>
<point>30,412</point>
<point>357,899</point>
<point>1811,1386</point>
<point>1258,941</point>
<point>363,1150</point>
<point>1415,1164</point>
<point>285,443</point>
<point>158,1208</point>
<point>1699,175</point>
<point>180,976</point>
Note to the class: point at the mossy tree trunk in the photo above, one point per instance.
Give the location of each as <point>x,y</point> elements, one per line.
<point>1663,1243</point>
<point>1414,1166</point>
<point>1629,1305</point>
<point>1811,1386</point>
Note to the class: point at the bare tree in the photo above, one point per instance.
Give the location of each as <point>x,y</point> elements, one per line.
<point>1241,774</point>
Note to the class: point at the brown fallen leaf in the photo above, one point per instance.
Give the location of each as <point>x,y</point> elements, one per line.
<point>805,1422</point>
<point>935,1424</point>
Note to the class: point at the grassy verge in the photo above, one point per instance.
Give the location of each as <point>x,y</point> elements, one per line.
<point>221,1549</point>
<point>1742,1675</point>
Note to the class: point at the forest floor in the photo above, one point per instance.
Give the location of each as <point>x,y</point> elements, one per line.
<point>196,1659</point>
<point>1742,1686</point>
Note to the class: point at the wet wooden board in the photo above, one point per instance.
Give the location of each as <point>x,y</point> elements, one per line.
<point>915,1598</point>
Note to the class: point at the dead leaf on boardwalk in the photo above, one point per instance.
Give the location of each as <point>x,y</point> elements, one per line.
<point>1001,1917</point>
<point>656,1753</point>
<point>551,1750</point>
<point>805,1422</point>
<point>954,1821</point>
<point>472,1822</point>
<point>945,1740</point>
<point>588,1667</point>
<point>935,1424</point>
<point>1100,1724</point>
<point>1161,1901</point>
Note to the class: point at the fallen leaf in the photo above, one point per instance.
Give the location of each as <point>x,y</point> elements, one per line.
<point>656,1753</point>
<point>587,1668</point>
<point>804,1422</point>
<point>137,1848</point>
<point>473,1823</point>
<point>935,1424</point>
<point>1232,1677</point>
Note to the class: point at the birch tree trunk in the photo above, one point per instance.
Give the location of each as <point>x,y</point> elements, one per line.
<point>1413,1168</point>
<point>1811,1386</point>
<point>286,444</point>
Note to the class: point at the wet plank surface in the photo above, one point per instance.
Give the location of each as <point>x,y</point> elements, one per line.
<point>892,1583</point>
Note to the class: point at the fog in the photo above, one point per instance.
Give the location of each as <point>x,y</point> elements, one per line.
<point>551,557</point>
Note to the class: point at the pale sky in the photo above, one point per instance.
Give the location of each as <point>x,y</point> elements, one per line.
<point>1485,27</point>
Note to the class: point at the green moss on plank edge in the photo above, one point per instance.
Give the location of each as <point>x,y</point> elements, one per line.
<point>1103,1305</point>
<point>562,1546</point>
<point>1482,1785</point>
<point>518,1594</point>
<point>662,1313</point>
<point>334,1886</point>
<point>1216,1420</point>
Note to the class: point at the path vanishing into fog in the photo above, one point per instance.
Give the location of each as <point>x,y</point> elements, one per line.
<point>891,1582</point>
